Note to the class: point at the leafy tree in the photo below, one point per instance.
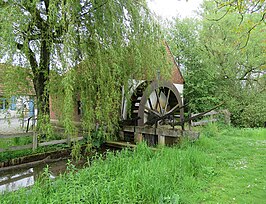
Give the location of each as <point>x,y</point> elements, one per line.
<point>199,81</point>
<point>99,44</point>
<point>221,65</point>
<point>243,8</point>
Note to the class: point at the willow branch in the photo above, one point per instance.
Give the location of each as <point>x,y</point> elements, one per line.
<point>218,19</point>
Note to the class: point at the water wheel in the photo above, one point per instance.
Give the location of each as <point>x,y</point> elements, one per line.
<point>159,104</point>
<point>155,104</point>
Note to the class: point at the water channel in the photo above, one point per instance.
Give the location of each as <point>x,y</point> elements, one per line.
<point>14,179</point>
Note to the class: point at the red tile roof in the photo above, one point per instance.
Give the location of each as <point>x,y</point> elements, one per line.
<point>177,76</point>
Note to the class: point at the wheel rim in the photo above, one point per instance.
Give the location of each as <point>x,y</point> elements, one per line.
<point>159,102</point>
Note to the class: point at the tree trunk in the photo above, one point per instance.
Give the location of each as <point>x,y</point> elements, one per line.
<point>42,94</point>
<point>41,78</point>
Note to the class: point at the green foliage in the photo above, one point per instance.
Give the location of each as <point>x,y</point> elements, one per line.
<point>75,152</point>
<point>4,143</point>
<point>224,61</point>
<point>243,7</point>
<point>44,126</point>
<point>145,176</point>
<point>20,86</point>
<point>210,130</point>
<point>97,138</point>
<point>82,50</point>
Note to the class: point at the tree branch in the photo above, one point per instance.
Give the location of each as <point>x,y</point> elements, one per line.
<point>33,61</point>
<point>251,70</point>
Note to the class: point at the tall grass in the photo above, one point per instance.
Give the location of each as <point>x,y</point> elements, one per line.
<point>170,175</point>
<point>218,168</point>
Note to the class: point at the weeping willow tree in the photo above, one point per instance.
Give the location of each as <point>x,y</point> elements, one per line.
<point>82,49</point>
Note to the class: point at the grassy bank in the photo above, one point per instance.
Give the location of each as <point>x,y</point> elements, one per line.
<point>226,165</point>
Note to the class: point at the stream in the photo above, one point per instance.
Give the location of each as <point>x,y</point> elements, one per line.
<point>25,177</point>
<point>12,180</point>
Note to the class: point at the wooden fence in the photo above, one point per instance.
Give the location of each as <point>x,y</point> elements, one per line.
<point>35,144</point>
<point>212,116</point>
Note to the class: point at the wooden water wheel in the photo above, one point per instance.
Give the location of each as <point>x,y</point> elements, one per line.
<point>160,104</point>
<point>155,104</point>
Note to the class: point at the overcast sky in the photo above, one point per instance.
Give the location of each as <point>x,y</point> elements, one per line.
<point>172,8</point>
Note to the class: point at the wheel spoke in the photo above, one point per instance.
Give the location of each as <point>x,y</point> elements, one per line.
<point>150,104</point>
<point>173,109</point>
<point>158,101</point>
<point>152,111</point>
<point>167,99</point>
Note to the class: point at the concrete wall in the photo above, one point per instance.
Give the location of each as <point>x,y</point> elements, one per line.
<point>21,106</point>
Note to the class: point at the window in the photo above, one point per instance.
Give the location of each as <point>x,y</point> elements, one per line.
<point>13,103</point>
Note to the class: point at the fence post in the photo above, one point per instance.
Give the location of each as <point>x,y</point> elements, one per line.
<point>138,137</point>
<point>161,139</point>
<point>227,117</point>
<point>68,139</point>
<point>34,141</point>
<point>190,121</point>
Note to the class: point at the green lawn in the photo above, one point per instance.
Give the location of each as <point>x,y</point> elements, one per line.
<point>241,166</point>
<point>226,165</point>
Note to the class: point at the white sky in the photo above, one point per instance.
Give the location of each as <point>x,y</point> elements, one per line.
<point>172,8</point>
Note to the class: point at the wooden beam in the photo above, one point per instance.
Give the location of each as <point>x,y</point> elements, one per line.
<point>203,122</point>
<point>124,144</point>
<point>34,141</point>
<point>29,164</point>
<point>154,131</point>
<point>9,136</point>
<point>203,113</point>
<point>119,144</point>
<point>161,140</point>
<point>138,138</point>
<point>207,114</point>
<point>54,142</point>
